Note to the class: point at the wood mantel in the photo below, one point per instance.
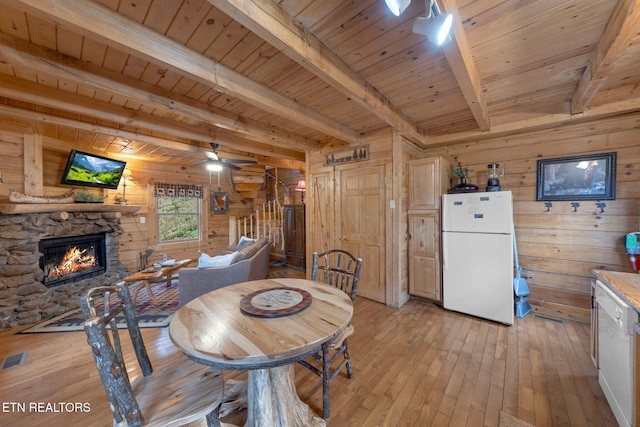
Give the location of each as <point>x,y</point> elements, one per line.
<point>27,208</point>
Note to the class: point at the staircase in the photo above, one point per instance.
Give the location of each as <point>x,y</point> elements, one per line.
<point>266,221</point>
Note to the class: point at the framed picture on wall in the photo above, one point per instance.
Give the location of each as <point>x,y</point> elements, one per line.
<point>219,203</point>
<point>588,177</point>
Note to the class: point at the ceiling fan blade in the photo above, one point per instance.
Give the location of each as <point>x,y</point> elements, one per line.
<point>221,162</point>
<point>214,158</point>
<point>246,161</point>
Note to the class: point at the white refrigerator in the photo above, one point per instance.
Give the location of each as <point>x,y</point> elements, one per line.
<point>477,254</point>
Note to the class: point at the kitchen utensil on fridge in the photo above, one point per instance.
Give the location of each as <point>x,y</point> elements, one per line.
<point>493,184</point>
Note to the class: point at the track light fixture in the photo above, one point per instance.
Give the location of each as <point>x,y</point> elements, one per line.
<point>397,6</point>
<point>436,26</point>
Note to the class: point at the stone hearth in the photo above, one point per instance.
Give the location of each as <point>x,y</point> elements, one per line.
<point>23,297</point>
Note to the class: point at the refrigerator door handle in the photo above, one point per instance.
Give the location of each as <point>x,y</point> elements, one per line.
<point>444,253</point>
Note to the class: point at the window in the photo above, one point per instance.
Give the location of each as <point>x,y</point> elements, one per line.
<point>178,218</point>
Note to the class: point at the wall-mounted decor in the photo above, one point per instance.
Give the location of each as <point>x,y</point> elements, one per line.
<point>588,177</point>
<point>219,203</point>
<point>348,155</point>
<point>162,189</point>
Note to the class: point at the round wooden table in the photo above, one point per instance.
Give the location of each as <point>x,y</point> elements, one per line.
<point>213,330</point>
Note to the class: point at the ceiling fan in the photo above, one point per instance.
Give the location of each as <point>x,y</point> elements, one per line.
<point>215,162</point>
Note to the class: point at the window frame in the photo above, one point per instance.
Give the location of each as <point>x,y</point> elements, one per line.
<point>172,245</point>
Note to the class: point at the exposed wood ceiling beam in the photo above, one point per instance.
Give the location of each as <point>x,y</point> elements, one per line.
<point>96,21</point>
<point>94,127</point>
<point>233,141</point>
<point>264,153</point>
<point>279,29</point>
<point>58,99</point>
<point>460,60</point>
<point>18,52</point>
<point>539,123</point>
<point>620,31</point>
<point>55,98</point>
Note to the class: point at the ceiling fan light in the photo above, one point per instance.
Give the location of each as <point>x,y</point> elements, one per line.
<point>397,6</point>
<point>214,167</point>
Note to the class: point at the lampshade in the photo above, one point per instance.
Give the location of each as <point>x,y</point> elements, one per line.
<point>127,174</point>
<point>436,28</point>
<point>302,186</point>
<point>397,6</point>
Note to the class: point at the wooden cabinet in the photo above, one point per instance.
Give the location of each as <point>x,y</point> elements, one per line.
<point>424,257</point>
<point>428,180</point>
<point>294,236</point>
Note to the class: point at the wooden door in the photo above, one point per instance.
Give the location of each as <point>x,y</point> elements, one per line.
<point>361,225</point>
<point>320,210</point>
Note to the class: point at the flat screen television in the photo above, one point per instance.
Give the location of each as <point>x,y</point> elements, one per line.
<point>90,170</point>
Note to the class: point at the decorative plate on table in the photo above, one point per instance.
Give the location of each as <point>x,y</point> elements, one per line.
<point>275,302</point>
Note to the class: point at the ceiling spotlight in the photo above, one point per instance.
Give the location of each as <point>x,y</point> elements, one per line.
<point>397,6</point>
<point>436,26</point>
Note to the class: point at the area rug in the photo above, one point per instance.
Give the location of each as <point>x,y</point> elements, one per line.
<point>149,315</point>
<point>507,420</point>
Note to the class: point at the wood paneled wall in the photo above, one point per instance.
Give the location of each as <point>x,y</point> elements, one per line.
<point>139,230</point>
<point>12,151</point>
<point>558,249</point>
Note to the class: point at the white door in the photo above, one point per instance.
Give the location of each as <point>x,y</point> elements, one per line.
<point>478,275</point>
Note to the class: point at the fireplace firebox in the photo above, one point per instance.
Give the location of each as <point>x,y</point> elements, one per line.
<point>71,259</point>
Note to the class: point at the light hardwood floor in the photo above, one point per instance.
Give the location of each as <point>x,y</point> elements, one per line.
<point>418,365</point>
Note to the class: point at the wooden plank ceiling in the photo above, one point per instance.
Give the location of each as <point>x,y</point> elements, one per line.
<point>160,79</point>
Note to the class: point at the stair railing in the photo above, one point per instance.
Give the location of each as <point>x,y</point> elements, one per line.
<point>266,222</point>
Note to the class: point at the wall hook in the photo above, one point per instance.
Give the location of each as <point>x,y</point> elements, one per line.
<point>548,205</point>
<point>601,205</point>
<point>575,206</point>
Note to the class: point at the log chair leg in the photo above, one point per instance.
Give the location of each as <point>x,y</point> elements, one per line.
<point>348,359</point>
<point>326,375</point>
<point>213,418</point>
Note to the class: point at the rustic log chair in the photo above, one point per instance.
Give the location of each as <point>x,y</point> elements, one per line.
<point>179,394</point>
<point>340,269</point>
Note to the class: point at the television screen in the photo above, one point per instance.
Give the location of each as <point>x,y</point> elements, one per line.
<point>90,170</point>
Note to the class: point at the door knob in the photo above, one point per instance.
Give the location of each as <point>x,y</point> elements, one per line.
<point>343,238</point>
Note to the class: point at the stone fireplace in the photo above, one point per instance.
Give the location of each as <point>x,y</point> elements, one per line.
<point>27,232</point>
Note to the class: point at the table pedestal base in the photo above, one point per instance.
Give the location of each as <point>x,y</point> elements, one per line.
<point>273,400</point>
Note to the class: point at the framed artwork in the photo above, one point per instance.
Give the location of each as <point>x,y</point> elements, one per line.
<point>219,203</point>
<point>588,177</point>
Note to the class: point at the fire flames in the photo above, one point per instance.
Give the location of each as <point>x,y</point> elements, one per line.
<point>74,260</point>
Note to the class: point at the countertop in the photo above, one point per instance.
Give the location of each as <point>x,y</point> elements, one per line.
<point>627,285</point>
